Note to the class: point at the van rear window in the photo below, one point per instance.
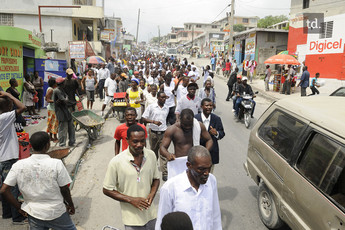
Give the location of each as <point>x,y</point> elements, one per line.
<point>281,131</point>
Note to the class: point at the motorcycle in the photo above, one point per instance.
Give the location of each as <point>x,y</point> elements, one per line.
<point>246,108</point>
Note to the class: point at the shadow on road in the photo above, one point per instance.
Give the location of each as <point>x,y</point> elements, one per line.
<point>253,190</point>
<point>226,218</point>
<point>227,193</point>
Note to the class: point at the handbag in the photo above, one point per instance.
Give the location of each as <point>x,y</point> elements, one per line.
<point>35,98</point>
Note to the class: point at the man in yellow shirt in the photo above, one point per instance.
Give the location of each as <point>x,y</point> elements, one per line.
<point>133,179</point>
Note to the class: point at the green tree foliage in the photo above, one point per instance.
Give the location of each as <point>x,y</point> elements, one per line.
<point>239,28</point>
<point>271,20</point>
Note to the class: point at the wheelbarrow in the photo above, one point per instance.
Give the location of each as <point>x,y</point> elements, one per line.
<point>89,121</point>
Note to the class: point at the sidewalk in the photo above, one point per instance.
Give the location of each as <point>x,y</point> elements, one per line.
<point>72,161</point>
<point>258,84</point>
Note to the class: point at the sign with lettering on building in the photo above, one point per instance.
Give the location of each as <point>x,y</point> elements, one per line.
<point>11,64</point>
<point>77,50</point>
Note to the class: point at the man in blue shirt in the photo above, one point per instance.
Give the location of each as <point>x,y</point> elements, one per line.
<point>213,63</point>
<point>314,84</point>
<point>304,82</point>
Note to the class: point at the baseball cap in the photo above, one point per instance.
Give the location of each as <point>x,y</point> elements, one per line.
<point>69,71</point>
<point>244,79</point>
<point>124,75</point>
<point>239,76</point>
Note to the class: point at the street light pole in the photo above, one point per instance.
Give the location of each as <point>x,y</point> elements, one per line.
<point>231,27</point>
<point>159,39</point>
<point>138,26</point>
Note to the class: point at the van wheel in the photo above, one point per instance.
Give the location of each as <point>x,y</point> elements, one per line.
<point>267,208</point>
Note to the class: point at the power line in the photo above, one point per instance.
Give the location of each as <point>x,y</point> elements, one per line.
<point>222,12</point>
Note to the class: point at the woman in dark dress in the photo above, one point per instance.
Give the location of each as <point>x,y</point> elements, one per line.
<point>15,93</point>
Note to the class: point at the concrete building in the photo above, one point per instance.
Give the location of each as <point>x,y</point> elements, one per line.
<point>59,25</point>
<point>172,36</point>
<point>247,22</point>
<point>112,36</point>
<point>322,51</point>
<point>259,44</point>
<point>208,42</point>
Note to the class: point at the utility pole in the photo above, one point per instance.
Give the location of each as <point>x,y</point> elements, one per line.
<point>138,26</point>
<point>191,47</point>
<point>159,39</point>
<point>231,27</point>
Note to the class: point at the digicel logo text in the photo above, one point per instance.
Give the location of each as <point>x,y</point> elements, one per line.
<point>320,47</point>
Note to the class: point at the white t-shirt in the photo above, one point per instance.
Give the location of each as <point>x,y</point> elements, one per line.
<point>149,99</point>
<point>188,103</point>
<point>9,148</point>
<point>193,74</point>
<point>181,92</point>
<point>111,86</point>
<point>39,179</point>
<point>170,102</point>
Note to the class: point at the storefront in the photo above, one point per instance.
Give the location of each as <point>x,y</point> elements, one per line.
<point>322,52</point>
<point>258,44</point>
<point>18,51</point>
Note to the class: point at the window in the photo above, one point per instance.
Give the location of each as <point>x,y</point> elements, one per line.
<point>245,20</point>
<point>75,29</point>
<point>173,37</point>
<point>6,19</point>
<point>184,34</point>
<point>271,37</point>
<point>198,26</point>
<point>326,29</point>
<point>322,162</point>
<point>305,4</point>
<point>214,27</point>
<point>281,131</point>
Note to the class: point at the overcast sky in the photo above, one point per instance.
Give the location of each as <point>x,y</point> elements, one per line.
<point>168,13</point>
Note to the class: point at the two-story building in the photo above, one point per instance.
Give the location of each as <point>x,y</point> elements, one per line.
<point>60,25</point>
<point>323,51</point>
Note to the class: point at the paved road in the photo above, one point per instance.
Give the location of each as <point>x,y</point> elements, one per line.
<point>237,193</point>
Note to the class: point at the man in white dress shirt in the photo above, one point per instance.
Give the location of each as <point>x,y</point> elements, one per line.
<point>156,115</point>
<point>102,75</point>
<point>193,192</point>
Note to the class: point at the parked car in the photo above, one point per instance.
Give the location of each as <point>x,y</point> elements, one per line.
<point>339,92</point>
<point>296,155</point>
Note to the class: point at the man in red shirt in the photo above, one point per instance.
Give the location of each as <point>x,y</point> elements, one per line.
<point>121,130</point>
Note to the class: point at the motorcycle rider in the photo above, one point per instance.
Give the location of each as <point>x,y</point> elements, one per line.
<point>235,91</point>
<point>244,89</point>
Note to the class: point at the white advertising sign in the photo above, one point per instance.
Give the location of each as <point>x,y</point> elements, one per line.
<point>325,46</point>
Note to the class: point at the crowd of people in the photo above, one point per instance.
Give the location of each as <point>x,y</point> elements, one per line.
<point>164,104</point>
